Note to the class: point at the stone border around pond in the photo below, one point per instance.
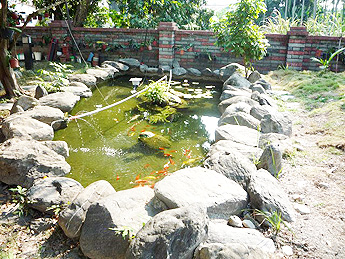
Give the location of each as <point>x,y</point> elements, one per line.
<point>192,213</point>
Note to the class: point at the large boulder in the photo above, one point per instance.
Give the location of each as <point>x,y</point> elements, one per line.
<point>45,114</point>
<point>194,71</point>
<point>226,94</point>
<point>40,91</point>
<point>233,242</point>
<point>271,160</point>
<point>266,195</point>
<point>239,118</point>
<point>26,102</point>
<point>117,65</point>
<point>111,222</point>
<point>202,187</point>
<point>238,107</point>
<point>171,234</point>
<point>237,81</point>
<point>22,162</point>
<point>64,101</point>
<point>24,127</point>
<point>258,88</point>
<point>264,99</point>
<point>53,191</point>
<point>228,70</point>
<point>233,165</point>
<point>88,80</point>
<point>131,62</point>
<point>283,142</point>
<point>72,218</point>
<point>276,123</point>
<point>179,71</point>
<point>59,147</point>
<point>259,111</point>
<point>79,89</point>
<point>110,70</point>
<point>238,134</point>
<point>100,74</point>
<point>254,76</point>
<point>236,99</point>
<point>264,84</point>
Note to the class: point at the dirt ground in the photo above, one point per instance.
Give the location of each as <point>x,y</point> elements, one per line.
<point>313,176</point>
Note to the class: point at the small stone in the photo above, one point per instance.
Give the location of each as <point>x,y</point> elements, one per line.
<point>323,185</point>
<point>298,147</point>
<point>297,197</point>
<point>235,221</point>
<point>301,209</point>
<point>248,224</point>
<point>287,250</point>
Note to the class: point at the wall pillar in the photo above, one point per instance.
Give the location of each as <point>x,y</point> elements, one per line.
<point>166,42</point>
<point>296,47</point>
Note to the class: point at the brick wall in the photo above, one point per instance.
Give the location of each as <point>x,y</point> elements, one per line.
<point>191,48</point>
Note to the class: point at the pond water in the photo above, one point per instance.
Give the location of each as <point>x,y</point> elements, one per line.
<point>106,146</point>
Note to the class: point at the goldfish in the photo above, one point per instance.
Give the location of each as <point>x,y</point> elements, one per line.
<point>171,161</point>
<point>117,178</point>
<point>173,151</point>
<point>165,154</point>
<point>133,118</point>
<point>143,130</point>
<point>166,166</point>
<point>137,177</point>
<point>150,177</point>
<point>141,181</point>
<point>161,148</point>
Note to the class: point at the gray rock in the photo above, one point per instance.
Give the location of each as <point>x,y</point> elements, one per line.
<point>239,118</point>
<point>171,234</point>
<point>266,195</point>
<point>228,70</point>
<point>235,221</point>
<point>175,64</point>
<point>264,99</point>
<point>259,111</point>
<point>219,232</point>
<point>202,187</point>
<point>165,68</point>
<point>252,153</point>
<point>271,160</point>
<point>301,209</point>
<point>226,94</point>
<point>264,83</point>
<point>22,162</point>
<point>224,104</point>
<point>254,76</point>
<point>217,73</point>
<point>26,102</point>
<point>248,224</point>
<point>238,134</point>
<point>16,126</point>
<point>237,81</point>
<point>118,65</point>
<point>207,72</point>
<point>238,107</point>
<point>233,165</point>
<point>100,74</point>
<point>179,71</point>
<point>152,70</point>
<point>59,147</point>
<point>59,124</point>
<point>287,250</point>
<point>277,123</point>
<point>88,80</point>
<point>271,138</point>
<point>58,191</point>
<point>64,101</point>
<point>258,88</point>
<point>131,62</point>
<point>194,71</point>
<point>79,89</point>
<point>143,68</point>
<point>16,109</point>
<point>40,91</point>
<point>122,210</point>
<point>110,70</point>
<point>72,218</point>
<point>45,114</point>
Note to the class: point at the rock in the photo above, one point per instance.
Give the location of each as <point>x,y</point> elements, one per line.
<point>238,107</point>
<point>323,185</point>
<point>152,70</point>
<point>41,224</point>
<point>59,147</point>
<point>171,234</point>
<point>252,153</point>
<point>58,191</point>
<point>287,250</point>
<point>153,140</point>
<point>258,88</point>
<point>26,128</point>
<point>259,111</point>
<point>194,71</point>
<point>219,232</point>
<point>175,64</point>
<point>207,72</point>
<point>118,65</point>
<point>271,160</point>
<point>228,70</point>
<point>64,101</point>
<point>110,70</point>
<point>232,165</point>
<point>202,187</point>
<point>123,210</point>
<point>100,74</point>
<point>72,218</point>
<point>45,114</point>
<point>238,134</point>
<point>254,76</point>
<point>59,124</point>
<point>179,71</point>
<point>143,68</point>
<point>248,224</point>
<point>79,89</point>
<point>131,62</point>
<point>277,123</point>
<point>235,221</point>
<point>40,91</point>
<point>226,94</point>
<point>264,99</point>
<point>237,81</point>
<point>272,138</point>
<point>239,118</point>
<point>264,83</point>
<point>266,195</point>
<point>88,80</point>
<point>22,162</point>
<point>165,68</point>
<point>301,209</point>
<point>217,73</point>
<point>16,109</point>
<point>26,102</point>
<point>224,104</point>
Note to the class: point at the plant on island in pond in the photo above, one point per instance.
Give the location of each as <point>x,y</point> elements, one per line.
<point>326,63</point>
<point>19,197</point>
<point>156,93</point>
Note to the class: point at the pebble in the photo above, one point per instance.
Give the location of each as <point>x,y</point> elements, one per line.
<point>287,250</point>
<point>323,185</point>
<point>297,197</point>
<point>235,221</point>
<point>248,224</point>
<point>302,209</point>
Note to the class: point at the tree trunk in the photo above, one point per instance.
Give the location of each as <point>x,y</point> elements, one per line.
<point>314,9</point>
<point>81,13</point>
<point>302,13</point>
<point>286,8</point>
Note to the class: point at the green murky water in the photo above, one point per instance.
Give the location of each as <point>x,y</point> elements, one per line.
<point>105,145</point>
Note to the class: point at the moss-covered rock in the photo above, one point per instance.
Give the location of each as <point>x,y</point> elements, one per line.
<point>153,140</point>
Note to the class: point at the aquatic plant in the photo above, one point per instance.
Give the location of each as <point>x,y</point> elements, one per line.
<point>156,93</point>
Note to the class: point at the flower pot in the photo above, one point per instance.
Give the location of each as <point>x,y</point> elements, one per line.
<point>181,52</point>
<point>95,61</point>
<point>149,47</point>
<point>38,56</point>
<point>14,63</point>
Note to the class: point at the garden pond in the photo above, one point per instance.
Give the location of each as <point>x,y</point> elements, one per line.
<point>106,146</point>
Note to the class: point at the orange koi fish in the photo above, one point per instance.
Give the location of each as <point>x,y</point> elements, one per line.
<point>173,151</point>
<point>143,130</point>
<point>161,148</point>
<point>171,161</point>
<point>117,178</point>
<point>167,155</point>
<point>137,177</point>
